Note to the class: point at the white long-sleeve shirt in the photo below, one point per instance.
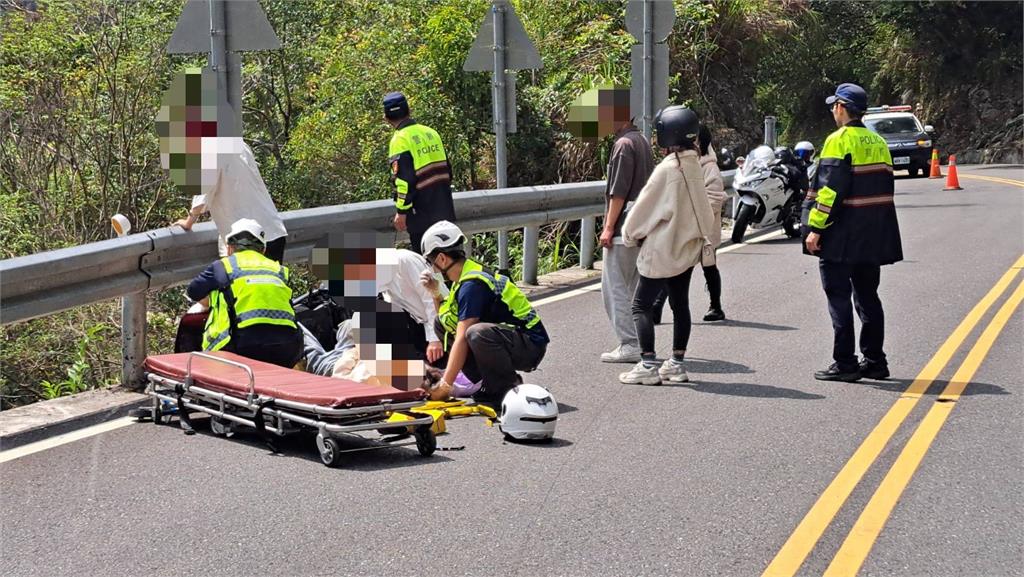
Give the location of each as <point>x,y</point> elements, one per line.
<point>238,190</point>
<point>398,277</point>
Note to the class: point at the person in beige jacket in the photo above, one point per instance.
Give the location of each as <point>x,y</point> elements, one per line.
<point>715,188</point>
<point>671,222</point>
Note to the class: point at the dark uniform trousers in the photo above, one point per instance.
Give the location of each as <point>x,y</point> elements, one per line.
<point>841,281</point>
<point>496,352</point>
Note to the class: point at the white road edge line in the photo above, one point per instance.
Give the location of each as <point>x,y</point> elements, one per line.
<point>597,286</point>
<point>64,439</point>
<point>87,432</point>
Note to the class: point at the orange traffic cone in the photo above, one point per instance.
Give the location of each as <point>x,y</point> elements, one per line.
<point>936,172</point>
<point>952,182</point>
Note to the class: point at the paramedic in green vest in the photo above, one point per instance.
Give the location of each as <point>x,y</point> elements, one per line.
<point>420,171</point>
<point>250,303</point>
<point>490,329</point>
<point>849,223</point>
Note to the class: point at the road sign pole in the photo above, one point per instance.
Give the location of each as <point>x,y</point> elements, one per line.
<point>218,51</point>
<point>498,94</point>
<point>648,67</point>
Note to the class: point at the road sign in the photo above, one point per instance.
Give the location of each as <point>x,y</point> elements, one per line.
<point>659,80</point>
<point>520,53</point>
<point>223,28</point>
<point>501,45</point>
<point>663,16</point>
<point>246,28</point>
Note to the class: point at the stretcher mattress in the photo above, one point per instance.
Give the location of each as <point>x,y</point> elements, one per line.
<point>276,382</point>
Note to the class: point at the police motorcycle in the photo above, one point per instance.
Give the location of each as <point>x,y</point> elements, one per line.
<point>770,187</point>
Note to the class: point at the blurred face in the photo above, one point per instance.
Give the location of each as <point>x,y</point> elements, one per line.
<point>358,266</point>
<point>195,126</point>
<point>598,112</point>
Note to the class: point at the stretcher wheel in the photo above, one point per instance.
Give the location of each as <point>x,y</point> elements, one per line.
<point>330,450</point>
<point>426,442</point>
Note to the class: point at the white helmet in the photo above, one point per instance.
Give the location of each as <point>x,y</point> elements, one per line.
<point>442,234</point>
<point>246,225</point>
<point>528,412</point>
<point>804,150</point>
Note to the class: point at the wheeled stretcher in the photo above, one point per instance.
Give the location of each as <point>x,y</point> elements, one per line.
<point>273,400</point>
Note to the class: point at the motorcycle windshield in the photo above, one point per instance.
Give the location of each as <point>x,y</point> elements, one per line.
<point>753,169</point>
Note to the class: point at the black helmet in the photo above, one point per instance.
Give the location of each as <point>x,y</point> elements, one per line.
<point>676,126</point>
<point>785,155</point>
<point>726,159</point>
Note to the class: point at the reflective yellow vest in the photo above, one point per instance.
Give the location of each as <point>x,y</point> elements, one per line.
<point>506,291</point>
<point>870,165</point>
<point>428,158</point>
<point>257,293</point>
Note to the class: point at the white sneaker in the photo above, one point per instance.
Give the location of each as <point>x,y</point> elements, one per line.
<point>672,371</point>
<point>622,354</point>
<point>640,375</point>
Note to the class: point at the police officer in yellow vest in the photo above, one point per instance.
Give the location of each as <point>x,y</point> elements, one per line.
<point>849,223</point>
<point>420,171</point>
<point>249,299</point>
<point>490,329</point>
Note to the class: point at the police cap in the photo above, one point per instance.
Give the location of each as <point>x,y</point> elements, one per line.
<point>395,105</point>
<point>851,95</point>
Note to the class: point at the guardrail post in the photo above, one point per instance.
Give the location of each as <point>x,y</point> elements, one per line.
<point>133,339</point>
<point>587,242</point>
<point>503,249</point>
<point>468,246</point>
<point>531,236</point>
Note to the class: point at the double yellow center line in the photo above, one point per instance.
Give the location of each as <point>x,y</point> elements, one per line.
<point>860,540</point>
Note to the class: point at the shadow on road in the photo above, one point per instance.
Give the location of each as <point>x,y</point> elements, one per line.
<point>746,325</point>
<point>708,366</point>
<point>781,240</point>
<point>949,205</point>
<point>555,443</point>
<point>936,388</point>
<point>303,446</point>
<point>746,390</point>
<point>564,408</point>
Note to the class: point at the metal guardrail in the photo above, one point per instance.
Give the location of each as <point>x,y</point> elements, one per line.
<point>46,283</point>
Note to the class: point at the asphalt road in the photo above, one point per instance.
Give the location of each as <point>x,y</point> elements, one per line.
<point>708,478</point>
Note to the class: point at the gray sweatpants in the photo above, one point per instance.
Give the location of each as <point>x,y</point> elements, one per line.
<point>618,283</point>
<point>319,361</point>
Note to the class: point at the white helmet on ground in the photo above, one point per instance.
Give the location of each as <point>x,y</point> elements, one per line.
<point>442,234</point>
<point>248,225</point>
<point>528,412</point>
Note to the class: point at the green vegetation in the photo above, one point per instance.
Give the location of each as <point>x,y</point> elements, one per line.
<point>80,84</point>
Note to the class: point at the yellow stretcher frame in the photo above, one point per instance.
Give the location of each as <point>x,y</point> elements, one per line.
<point>444,410</point>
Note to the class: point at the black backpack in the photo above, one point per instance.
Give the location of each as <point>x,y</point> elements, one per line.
<point>318,312</point>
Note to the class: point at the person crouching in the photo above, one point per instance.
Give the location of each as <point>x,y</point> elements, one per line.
<point>249,300</point>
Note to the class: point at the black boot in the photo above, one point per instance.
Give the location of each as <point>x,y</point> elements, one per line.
<point>873,370</point>
<point>836,373</point>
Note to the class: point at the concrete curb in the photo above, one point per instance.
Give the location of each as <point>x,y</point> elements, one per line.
<point>44,419</point>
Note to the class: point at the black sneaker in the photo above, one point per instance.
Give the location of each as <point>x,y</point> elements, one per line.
<point>834,373</point>
<point>714,314</point>
<point>873,370</point>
